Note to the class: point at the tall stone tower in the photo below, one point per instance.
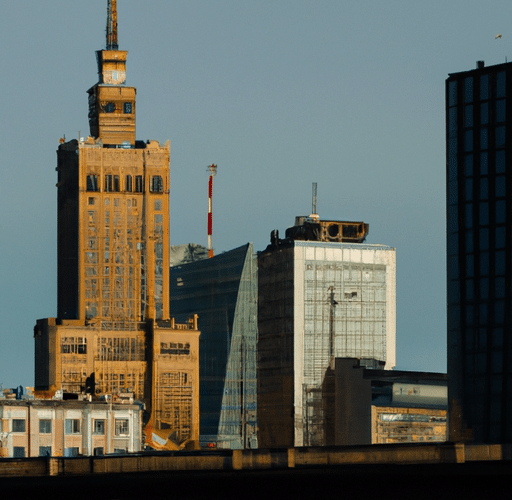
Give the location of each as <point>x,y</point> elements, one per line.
<point>113,333</point>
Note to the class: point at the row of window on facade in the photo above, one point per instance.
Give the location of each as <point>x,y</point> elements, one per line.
<point>110,107</point>
<point>132,184</point>
<point>496,114</point>
<point>73,426</point>
<point>488,90</point>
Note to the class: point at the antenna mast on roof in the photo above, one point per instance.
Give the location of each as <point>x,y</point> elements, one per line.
<point>314,214</point>
<point>213,170</point>
<point>112,25</point>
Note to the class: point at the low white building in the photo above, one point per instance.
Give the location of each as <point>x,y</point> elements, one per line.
<point>38,427</point>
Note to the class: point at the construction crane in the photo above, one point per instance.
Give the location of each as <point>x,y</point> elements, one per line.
<point>213,170</point>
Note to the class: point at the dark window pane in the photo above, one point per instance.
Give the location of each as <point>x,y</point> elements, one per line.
<point>452,121</point>
<point>484,238</point>
<point>484,214</point>
<point>92,183</point>
<point>484,138</point>
<point>470,266</point>
<point>500,212</point>
<point>500,110</point>
<point>499,263</point>
<point>468,165</point>
<point>469,189</point>
<point>500,237</point>
<point>484,288</point>
<point>468,89</point>
<point>469,215</point>
<point>484,188</point>
<point>484,87</point>
<point>500,161</point>
<point>484,263</point>
<point>500,85</point>
<point>500,137</point>
<point>468,116</point>
<point>468,140</point>
<point>484,113</point>
<point>452,93</point>
<point>469,241</point>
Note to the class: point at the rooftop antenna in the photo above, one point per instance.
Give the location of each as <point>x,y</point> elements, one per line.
<point>314,214</point>
<point>112,25</point>
<point>213,170</point>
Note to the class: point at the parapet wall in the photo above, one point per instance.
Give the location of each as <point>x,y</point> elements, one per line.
<point>256,459</point>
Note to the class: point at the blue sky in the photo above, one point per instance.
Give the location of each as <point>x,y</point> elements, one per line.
<point>279,94</point>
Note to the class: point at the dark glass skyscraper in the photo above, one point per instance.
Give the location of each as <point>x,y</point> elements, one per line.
<point>479,267</point>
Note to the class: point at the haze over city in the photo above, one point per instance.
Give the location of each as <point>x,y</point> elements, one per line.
<point>279,94</point>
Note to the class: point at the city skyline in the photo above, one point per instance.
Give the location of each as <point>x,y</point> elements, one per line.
<point>278,95</point>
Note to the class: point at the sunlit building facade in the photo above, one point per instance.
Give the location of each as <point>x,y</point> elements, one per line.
<point>322,296</point>
<point>113,332</point>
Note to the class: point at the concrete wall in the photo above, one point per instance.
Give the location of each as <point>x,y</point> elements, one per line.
<point>283,458</point>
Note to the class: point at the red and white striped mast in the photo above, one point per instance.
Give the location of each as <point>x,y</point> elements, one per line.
<point>213,170</point>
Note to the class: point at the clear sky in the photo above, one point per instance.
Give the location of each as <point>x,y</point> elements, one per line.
<point>277,93</point>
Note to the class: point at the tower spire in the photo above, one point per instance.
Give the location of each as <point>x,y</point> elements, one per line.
<point>112,25</point>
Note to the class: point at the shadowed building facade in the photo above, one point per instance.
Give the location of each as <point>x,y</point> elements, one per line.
<point>223,290</point>
<point>113,332</point>
<point>479,268</point>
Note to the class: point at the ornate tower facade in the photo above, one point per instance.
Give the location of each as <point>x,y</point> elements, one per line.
<point>113,333</point>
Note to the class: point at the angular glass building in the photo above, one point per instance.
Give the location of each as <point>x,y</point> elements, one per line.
<point>223,292</point>
<point>479,268</point>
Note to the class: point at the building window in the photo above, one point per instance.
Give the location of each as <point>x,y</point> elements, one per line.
<point>18,425</point>
<point>116,184</point>
<point>108,183</point>
<point>74,345</point>
<point>110,107</point>
<point>72,426</point>
<point>99,427</point>
<point>92,183</point>
<point>45,426</point>
<point>157,185</point>
<point>122,428</point>
<point>98,451</point>
<point>73,451</point>
<point>174,348</point>
<point>18,452</point>
<point>45,451</point>
<point>128,187</point>
<point>127,107</point>
<point>139,184</point>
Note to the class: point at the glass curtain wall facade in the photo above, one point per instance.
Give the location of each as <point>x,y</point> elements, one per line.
<point>318,301</point>
<point>478,157</point>
<point>223,292</point>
